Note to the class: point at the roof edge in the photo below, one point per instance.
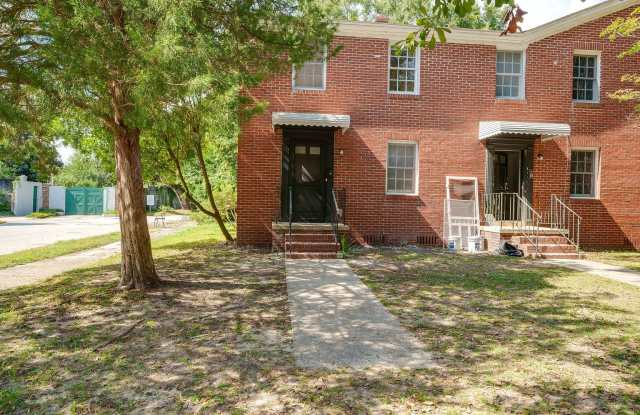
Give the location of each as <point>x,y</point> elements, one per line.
<point>490,37</point>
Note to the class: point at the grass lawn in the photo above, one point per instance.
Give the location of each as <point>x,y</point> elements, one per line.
<point>628,259</point>
<point>216,338</point>
<point>56,249</point>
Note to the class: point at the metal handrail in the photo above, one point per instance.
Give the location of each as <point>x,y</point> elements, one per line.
<point>336,215</point>
<point>513,208</point>
<point>290,221</point>
<point>562,218</point>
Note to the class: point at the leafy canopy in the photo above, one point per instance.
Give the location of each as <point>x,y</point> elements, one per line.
<point>627,28</point>
<point>84,170</point>
<point>472,16</point>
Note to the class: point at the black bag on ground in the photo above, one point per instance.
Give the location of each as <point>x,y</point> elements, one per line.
<point>507,249</point>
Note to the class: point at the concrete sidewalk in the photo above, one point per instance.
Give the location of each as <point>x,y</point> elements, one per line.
<point>41,270</point>
<point>338,322</point>
<point>612,272</point>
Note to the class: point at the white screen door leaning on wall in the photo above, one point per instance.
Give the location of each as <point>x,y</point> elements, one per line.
<point>461,209</point>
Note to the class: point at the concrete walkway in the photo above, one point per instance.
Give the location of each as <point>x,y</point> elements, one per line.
<point>338,322</point>
<point>612,272</point>
<point>41,270</point>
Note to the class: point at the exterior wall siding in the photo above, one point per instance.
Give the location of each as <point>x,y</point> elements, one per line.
<point>457,90</point>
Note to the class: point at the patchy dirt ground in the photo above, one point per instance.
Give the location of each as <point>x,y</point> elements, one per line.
<point>217,339</point>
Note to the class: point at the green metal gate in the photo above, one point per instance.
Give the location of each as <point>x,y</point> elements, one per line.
<point>83,201</point>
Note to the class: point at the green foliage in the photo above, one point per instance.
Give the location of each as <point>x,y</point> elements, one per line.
<point>5,201</point>
<point>93,71</point>
<point>473,16</point>
<point>44,213</point>
<point>27,155</point>
<point>345,244</point>
<point>434,20</point>
<point>84,170</point>
<point>41,215</point>
<point>627,27</point>
<point>11,399</point>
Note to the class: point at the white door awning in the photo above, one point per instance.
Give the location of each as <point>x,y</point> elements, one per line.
<point>308,119</point>
<point>492,129</point>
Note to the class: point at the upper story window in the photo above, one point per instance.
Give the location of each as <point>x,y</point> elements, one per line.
<point>404,70</point>
<point>311,75</point>
<point>402,168</point>
<point>584,168</point>
<point>586,74</point>
<point>510,75</point>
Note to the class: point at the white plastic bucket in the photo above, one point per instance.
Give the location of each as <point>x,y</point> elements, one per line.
<point>474,244</point>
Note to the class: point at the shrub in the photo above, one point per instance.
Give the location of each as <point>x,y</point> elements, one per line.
<point>44,213</point>
<point>5,201</point>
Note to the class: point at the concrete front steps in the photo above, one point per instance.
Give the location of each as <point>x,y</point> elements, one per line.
<point>311,244</point>
<point>549,247</point>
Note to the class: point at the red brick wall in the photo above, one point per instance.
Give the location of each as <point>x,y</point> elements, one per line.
<point>457,90</point>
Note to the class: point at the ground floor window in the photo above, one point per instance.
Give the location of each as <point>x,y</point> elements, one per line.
<point>584,167</point>
<point>402,170</point>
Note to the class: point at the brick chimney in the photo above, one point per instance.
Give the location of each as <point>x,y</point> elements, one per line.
<point>382,19</point>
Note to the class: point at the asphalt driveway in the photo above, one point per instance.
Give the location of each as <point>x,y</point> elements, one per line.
<point>20,233</point>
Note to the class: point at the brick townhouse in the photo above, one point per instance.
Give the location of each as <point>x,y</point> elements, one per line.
<point>363,142</point>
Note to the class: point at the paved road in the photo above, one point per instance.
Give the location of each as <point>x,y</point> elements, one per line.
<point>338,322</point>
<point>20,233</point>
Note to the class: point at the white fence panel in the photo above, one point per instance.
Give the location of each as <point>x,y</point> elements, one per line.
<point>109,199</point>
<point>57,197</point>
<point>23,196</point>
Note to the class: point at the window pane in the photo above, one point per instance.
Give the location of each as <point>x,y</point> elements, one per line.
<point>401,167</point>
<point>310,75</point>
<point>301,150</point>
<point>583,164</point>
<point>508,74</point>
<point>585,78</point>
<point>402,70</point>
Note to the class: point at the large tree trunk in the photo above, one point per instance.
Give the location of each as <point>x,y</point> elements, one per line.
<point>137,268</point>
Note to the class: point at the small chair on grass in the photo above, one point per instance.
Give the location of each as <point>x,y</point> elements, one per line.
<point>159,219</point>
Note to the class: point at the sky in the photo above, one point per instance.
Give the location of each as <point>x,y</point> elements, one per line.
<point>543,11</point>
<point>539,12</point>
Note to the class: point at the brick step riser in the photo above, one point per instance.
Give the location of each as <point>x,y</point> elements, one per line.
<point>308,232</point>
<point>550,249</point>
<point>561,256</point>
<point>310,237</point>
<point>542,240</point>
<point>314,255</point>
<point>312,247</point>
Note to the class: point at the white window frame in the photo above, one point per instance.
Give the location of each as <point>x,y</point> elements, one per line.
<point>595,184</point>
<point>416,168</point>
<point>523,72</point>
<point>596,90</point>
<point>416,83</point>
<point>324,76</point>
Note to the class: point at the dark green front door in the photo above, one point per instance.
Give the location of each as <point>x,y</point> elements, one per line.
<point>83,201</point>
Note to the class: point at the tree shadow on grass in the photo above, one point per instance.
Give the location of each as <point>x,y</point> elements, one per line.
<point>216,338</point>
<point>485,318</point>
